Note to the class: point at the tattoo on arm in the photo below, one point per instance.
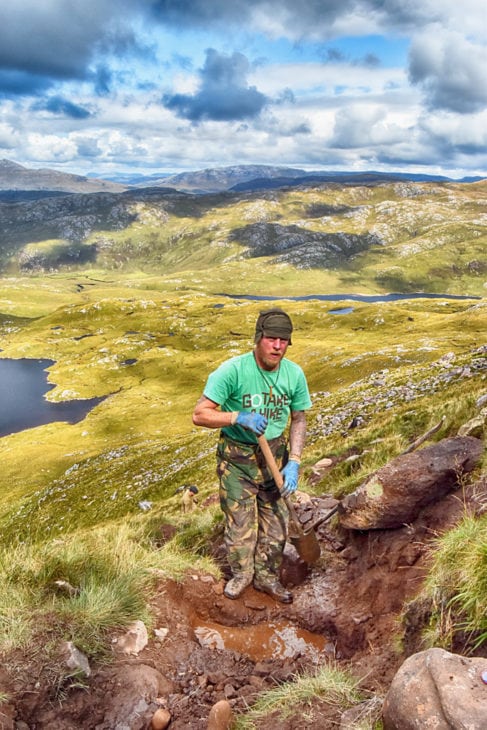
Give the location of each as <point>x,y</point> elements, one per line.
<point>297,432</point>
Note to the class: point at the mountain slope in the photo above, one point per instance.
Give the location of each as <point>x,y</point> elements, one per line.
<point>399,237</point>
<point>16,177</point>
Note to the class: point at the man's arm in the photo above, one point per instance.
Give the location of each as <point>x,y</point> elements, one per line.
<point>207,413</point>
<point>297,434</point>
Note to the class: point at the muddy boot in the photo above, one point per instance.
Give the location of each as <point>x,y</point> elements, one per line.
<point>274,588</point>
<point>236,585</point>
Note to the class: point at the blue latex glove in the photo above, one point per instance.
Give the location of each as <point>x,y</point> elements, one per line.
<point>255,422</point>
<point>290,474</point>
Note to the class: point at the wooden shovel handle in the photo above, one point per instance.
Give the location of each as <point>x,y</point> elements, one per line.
<point>277,476</point>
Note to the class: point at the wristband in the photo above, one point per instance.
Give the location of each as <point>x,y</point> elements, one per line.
<point>234,418</point>
<point>295,457</point>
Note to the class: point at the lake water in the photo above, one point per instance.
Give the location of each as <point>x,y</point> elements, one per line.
<point>346,297</point>
<point>23,384</point>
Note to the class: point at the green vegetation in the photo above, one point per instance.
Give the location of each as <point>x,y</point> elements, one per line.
<point>457,585</point>
<point>399,237</point>
<point>143,329</point>
<point>87,584</point>
<point>331,686</point>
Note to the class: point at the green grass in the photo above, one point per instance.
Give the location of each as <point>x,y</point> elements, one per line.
<point>457,584</point>
<point>334,687</point>
<point>108,574</point>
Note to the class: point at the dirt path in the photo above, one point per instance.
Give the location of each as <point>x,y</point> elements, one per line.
<point>346,608</point>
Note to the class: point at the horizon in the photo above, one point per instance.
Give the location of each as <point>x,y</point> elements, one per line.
<point>115,175</point>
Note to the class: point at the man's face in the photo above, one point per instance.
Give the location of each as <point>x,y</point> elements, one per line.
<point>269,352</point>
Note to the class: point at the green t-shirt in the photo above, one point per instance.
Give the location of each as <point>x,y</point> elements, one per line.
<point>239,384</point>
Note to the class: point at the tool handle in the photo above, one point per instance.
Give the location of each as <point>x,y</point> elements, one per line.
<point>277,476</point>
<point>326,517</point>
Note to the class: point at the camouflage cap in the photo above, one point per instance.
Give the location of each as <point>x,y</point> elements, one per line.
<point>273,323</point>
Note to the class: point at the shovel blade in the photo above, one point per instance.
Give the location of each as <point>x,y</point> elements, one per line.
<point>307,547</point>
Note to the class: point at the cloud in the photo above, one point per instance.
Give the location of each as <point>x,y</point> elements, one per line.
<point>364,126</point>
<point>450,70</point>
<point>60,106</point>
<point>224,94</point>
<point>315,18</point>
<point>58,39</point>
<point>19,83</point>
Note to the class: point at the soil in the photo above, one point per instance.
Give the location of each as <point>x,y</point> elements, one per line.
<point>351,607</point>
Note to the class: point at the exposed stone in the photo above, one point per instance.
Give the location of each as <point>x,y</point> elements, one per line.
<point>160,719</point>
<point>221,716</point>
<point>395,493</point>
<point>475,427</point>
<point>132,704</point>
<point>135,639</point>
<point>75,659</point>
<point>436,689</point>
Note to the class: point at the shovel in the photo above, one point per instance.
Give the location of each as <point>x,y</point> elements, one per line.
<point>305,542</point>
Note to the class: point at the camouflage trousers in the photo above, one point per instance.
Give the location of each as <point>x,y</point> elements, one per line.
<point>255,515</point>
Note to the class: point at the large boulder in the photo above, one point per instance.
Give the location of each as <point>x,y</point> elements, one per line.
<point>395,493</point>
<point>436,689</point>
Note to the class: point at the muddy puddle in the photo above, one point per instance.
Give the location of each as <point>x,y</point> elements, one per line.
<point>278,640</point>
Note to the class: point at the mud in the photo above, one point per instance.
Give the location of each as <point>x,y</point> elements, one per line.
<point>347,607</point>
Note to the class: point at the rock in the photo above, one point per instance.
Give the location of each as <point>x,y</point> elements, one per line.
<point>221,716</point>
<point>131,705</point>
<point>475,427</point>
<point>321,468</point>
<point>395,493</point>
<point>436,689</point>
<point>161,633</point>
<point>135,639</point>
<point>160,719</point>
<point>75,659</point>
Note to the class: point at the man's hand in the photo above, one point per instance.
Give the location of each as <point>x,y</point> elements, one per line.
<point>290,474</point>
<point>255,422</point>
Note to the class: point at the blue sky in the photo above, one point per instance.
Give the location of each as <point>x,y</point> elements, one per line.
<point>149,86</point>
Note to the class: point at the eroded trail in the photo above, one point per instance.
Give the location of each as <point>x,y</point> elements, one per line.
<point>346,608</point>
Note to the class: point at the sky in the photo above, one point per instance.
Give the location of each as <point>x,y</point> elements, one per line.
<point>166,86</point>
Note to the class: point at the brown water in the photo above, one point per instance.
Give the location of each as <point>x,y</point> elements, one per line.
<point>278,640</point>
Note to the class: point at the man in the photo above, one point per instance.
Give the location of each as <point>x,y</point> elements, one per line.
<point>247,396</point>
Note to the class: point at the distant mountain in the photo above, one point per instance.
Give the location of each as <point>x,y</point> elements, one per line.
<point>15,177</point>
<point>21,183</point>
<point>220,179</point>
<point>240,178</point>
<point>341,178</point>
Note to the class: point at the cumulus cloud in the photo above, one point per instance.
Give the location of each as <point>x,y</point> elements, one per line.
<point>364,125</point>
<point>223,95</point>
<point>58,39</point>
<point>450,70</point>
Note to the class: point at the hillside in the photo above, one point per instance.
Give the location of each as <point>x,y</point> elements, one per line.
<point>134,298</point>
<point>401,237</point>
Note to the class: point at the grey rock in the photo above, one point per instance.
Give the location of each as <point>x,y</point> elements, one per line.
<point>436,689</point>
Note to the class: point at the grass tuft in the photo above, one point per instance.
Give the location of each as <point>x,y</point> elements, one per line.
<point>329,684</point>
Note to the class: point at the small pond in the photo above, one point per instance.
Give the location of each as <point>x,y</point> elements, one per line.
<point>23,384</point>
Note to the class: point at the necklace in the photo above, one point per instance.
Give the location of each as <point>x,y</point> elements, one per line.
<point>267,382</point>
